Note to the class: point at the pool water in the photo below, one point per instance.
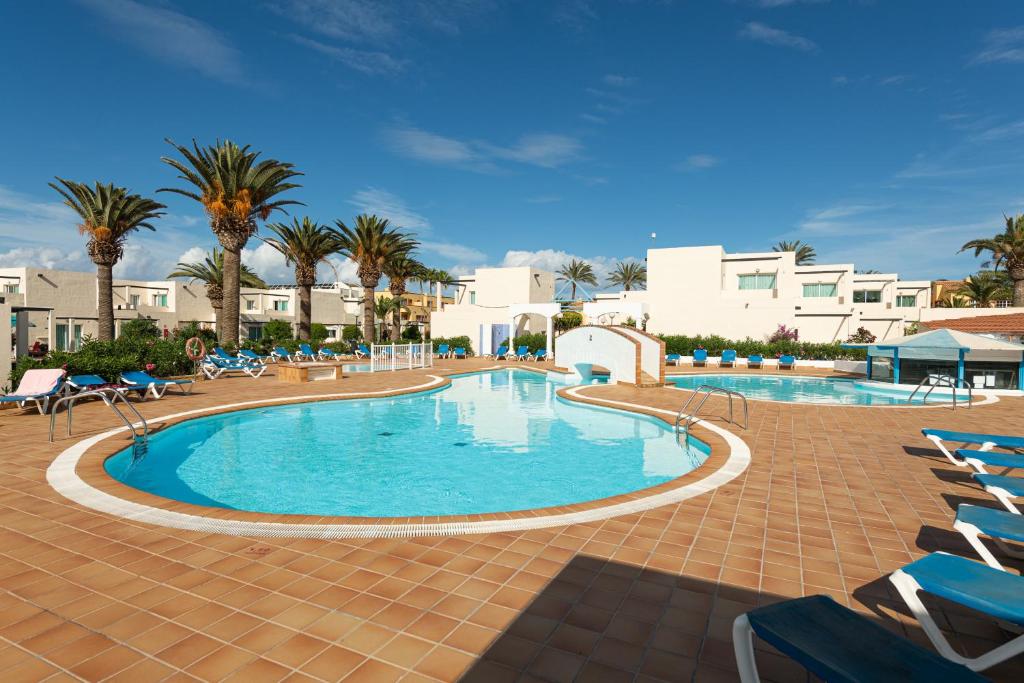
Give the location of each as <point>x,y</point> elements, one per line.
<point>491,442</point>
<point>803,389</point>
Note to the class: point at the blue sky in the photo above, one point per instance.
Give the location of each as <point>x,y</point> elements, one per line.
<point>884,133</point>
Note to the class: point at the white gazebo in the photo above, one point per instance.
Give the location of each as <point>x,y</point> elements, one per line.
<point>547,311</point>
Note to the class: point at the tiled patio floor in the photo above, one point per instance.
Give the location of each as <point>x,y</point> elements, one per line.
<point>835,498</point>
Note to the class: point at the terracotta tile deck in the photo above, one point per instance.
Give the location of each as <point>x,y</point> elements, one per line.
<point>835,498</point>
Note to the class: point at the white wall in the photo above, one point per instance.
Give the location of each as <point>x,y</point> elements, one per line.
<point>6,350</point>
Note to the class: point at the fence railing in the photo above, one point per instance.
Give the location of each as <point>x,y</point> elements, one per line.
<point>400,356</point>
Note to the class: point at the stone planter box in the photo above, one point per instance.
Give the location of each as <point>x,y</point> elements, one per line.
<point>297,373</point>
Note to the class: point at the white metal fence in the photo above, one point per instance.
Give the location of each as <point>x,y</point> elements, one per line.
<point>401,356</point>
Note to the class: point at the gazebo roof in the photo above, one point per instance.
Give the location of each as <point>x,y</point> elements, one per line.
<point>945,339</point>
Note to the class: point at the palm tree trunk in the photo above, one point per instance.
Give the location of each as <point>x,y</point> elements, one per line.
<point>1018,292</point>
<point>232,292</point>
<point>305,311</point>
<point>218,314</point>
<point>105,301</point>
<point>368,327</point>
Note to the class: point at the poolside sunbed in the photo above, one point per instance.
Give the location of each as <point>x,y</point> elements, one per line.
<point>502,352</point>
<point>837,644</point>
<point>538,355</point>
<point>38,386</point>
<point>81,383</point>
<point>155,386</point>
<point>728,357</point>
<point>974,520</point>
<point>522,352</point>
<point>362,351</point>
<point>252,356</point>
<point>221,353</point>
<point>307,351</point>
<point>673,358</point>
<point>1002,487</point>
<point>279,352</point>
<point>986,441</point>
<point>997,594</point>
<point>443,351</point>
<point>326,354</point>
<point>459,352</point>
<point>700,356</point>
<point>213,367</point>
<point>755,360</point>
<point>786,361</point>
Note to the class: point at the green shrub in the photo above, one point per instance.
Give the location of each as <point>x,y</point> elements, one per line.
<point>317,333</point>
<point>715,344</point>
<point>193,329</point>
<point>278,331</point>
<point>412,333</point>
<point>568,320</point>
<point>140,328</point>
<point>351,333</point>
<point>453,342</point>
<point>531,340</point>
<point>108,359</point>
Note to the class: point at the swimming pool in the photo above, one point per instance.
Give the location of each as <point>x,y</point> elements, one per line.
<point>804,389</point>
<point>491,442</point>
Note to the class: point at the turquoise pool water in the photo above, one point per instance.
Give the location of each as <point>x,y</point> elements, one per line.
<point>803,389</point>
<point>491,442</point>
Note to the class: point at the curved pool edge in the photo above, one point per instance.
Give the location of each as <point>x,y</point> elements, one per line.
<point>64,477</point>
<point>984,397</point>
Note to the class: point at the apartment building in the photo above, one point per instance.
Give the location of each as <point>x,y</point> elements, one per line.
<point>705,290</point>
<point>60,307</point>
<point>417,308</point>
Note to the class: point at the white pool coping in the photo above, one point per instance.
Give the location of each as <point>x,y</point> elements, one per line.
<point>63,477</point>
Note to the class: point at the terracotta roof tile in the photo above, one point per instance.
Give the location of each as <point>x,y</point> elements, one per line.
<point>1010,323</point>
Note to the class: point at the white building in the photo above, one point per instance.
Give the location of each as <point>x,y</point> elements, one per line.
<point>60,306</point>
<point>703,291</point>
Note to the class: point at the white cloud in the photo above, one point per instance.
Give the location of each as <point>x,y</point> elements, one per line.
<point>593,119</point>
<point>268,263</point>
<point>193,255</point>
<point>46,257</point>
<point>830,220</point>
<point>369,62</point>
<point>897,79</point>
<point>172,37</point>
<point>618,80</point>
<point>761,33</point>
<point>548,150</point>
<point>696,162</point>
<point>543,199</point>
<point>454,252</point>
<point>1002,45</point>
<point>783,3</point>
<point>553,259</point>
<point>388,205</point>
<point>1000,132</point>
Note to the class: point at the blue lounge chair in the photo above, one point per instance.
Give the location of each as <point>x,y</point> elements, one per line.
<point>153,385</point>
<point>728,356</point>
<point>700,356</point>
<point>837,644</point>
<point>787,361</point>
<point>1000,595</point>
<point>38,386</point>
<point>213,367</point>
<point>307,351</point>
<point>252,356</point>
<point>459,352</point>
<point>502,352</point>
<point>1002,487</point>
<point>755,360</point>
<point>82,383</point>
<point>326,354</point>
<point>443,351</point>
<point>362,351</point>
<point>673,358</point>
<point>978,460</point>
<point>538,355</point>
<point>221,353</point>
<point>522,352</point>
<point>973,520</point>
<point>986,441</point>
<point>279,352</point>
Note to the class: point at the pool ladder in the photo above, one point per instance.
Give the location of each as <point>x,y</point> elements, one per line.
<point>685,419</point>
<point>943,381</point>
<point>140,441</point>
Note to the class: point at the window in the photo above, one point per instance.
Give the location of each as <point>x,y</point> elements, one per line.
<point>160,300</point>
<point>820,290</point>
<point>250,305</point>
<point>134,299</point>
<point>867,296</point>
<point>280,304</point>
<point>757,281</point>
<point>472,297</point>
<point>11,289</point>
<point>255,332</point>
<point>906,300</point>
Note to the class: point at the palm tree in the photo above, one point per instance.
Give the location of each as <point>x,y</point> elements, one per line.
<point>235,189</point>
<point>384,307</point>
<point>577,273</point>
<point>371,243</point>
<point>629,275</point>
<point>804,252</point>
<point>210,272</point>
<point>109,214</point>
<point>1007,250</point>
<point>399,270</point>
<point>953,300</point>
<point>984,289</point>
<point>305,244</point>
<point>437,276</point>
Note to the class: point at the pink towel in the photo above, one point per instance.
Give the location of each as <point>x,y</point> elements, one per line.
<point>36,382</point>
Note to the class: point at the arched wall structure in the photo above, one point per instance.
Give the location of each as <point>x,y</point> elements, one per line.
<point>630,356</point>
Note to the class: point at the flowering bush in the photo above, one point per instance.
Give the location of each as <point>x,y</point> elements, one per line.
<point>784,334</point>
<point>861,336</point>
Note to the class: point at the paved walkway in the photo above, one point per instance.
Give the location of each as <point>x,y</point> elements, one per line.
<point>835,498</point>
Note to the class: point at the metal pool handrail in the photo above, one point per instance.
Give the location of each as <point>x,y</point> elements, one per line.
<point>707,390</point>
<point>939,380</point>
<point>108,396</point>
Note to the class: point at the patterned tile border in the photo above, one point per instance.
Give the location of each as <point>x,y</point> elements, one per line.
<point>63,476</point>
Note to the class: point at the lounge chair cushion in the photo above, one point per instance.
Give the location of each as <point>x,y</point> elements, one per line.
<point>973,437</point>
<point>972,584</point>
<point>38,382</point>
<point>993,458</point>
<point>1012,485</point>
<point>837,644</point>
<point>993,522</point>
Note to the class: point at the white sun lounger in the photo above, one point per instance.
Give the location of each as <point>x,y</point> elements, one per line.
<point>973,521</point>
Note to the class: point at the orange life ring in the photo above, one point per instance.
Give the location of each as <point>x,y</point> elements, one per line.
<point>195,349</point>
